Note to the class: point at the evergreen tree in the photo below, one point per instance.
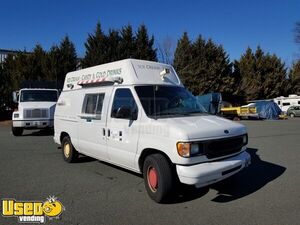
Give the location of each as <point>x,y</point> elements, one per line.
<point>144,45</point>
<point>249,84</point>
<point>68,58</point>
<point>4,86</point>
<point>102,48</point>
<point>204,67</point>
<point>17,68</point>
<point>96,48</point>
<point>113,47</point>
<point>61,60</point>
<point>10,77</point>
<point>182,60</point>
<point>295,78</point>
<point>127,43</point>
<point>36,64</point>
<point>211,69</point>
<point>262,76</point>
<point>53,63</point>
<point>182,55</point>
<point>274,77</point>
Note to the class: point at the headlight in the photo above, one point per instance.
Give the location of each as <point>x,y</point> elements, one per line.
<point>194,149</point>
<point>16,115</point>
<point>245,139</point>
<point>186,149</point>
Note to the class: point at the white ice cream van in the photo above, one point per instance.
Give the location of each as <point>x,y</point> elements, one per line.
<point>36,108</point>
<point>138,115</point>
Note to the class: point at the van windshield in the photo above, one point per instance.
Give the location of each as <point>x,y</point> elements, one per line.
<point>168,101</point>
<point>38,96</point>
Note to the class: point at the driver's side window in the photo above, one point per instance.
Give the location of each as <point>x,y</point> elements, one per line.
<point>124,105</point>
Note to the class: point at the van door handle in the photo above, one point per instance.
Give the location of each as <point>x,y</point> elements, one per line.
<point>103,132</point>
<point>108,133</point>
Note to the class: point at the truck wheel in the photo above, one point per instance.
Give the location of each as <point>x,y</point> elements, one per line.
<point>158,177</point>
<point>70,154</point>
<point>17,131</point>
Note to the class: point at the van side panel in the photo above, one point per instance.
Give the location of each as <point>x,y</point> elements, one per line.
<point>92,130</point>
<point>66,115</point>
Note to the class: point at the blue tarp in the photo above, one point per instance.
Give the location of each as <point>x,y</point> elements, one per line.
<point>267,109</point>
<point>211,102</point>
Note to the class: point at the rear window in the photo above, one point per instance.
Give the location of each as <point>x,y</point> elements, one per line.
<point>92,104</point>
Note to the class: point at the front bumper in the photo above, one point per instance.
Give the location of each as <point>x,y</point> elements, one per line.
<point>31,124</point>
<point>210,172</point>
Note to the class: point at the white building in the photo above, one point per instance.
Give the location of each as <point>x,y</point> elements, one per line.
<point>4,53</point>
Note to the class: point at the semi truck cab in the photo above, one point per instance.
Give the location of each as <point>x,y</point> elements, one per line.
<point>35,109</point>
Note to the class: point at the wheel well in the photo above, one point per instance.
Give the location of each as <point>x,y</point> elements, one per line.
<point>149,151</point>
<point>62,135</point>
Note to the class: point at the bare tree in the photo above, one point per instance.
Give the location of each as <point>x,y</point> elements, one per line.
<point>166,50</point>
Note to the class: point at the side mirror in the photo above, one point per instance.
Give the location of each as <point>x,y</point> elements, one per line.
<point>15,96</point>
<point>125,112</point>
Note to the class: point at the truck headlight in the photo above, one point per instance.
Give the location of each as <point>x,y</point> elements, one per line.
<point>186,149</point>
<point>16,115</point>
<point>194,149</point>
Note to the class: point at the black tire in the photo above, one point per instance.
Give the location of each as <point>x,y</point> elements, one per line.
<point>70,154</point>
<point>164,185</point>
<point>17,131</point>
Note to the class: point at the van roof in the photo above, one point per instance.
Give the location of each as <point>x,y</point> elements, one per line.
<point>128,71</point>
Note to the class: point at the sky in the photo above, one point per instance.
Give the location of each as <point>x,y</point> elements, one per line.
<point>236,24</point>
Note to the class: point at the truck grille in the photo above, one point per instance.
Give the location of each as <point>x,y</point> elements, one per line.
<point>222,147</point>
<point>35,113</point>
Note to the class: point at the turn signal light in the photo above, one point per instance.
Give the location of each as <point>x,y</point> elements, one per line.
<point>183,149</point>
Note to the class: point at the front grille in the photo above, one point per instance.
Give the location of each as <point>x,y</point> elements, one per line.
<point>35,113</point>
<point>222,147</point>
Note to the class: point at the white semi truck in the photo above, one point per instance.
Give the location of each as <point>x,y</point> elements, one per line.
<point>35,110</point>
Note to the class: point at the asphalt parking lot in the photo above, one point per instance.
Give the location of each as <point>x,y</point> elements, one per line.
<point>93,192</point>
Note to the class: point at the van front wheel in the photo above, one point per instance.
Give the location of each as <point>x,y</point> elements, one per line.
<point>158,177</point>
<point>69,152</point>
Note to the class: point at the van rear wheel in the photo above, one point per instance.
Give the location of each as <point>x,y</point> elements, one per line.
<point>17,131</point>
<point>158,177</point>
<point>70,154</point>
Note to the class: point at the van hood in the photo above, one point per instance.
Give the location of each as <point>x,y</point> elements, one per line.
<point>202,127</point>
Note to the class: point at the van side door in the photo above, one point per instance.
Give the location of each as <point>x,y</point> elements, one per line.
<point>123,127</point>
<point>92,122</point>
